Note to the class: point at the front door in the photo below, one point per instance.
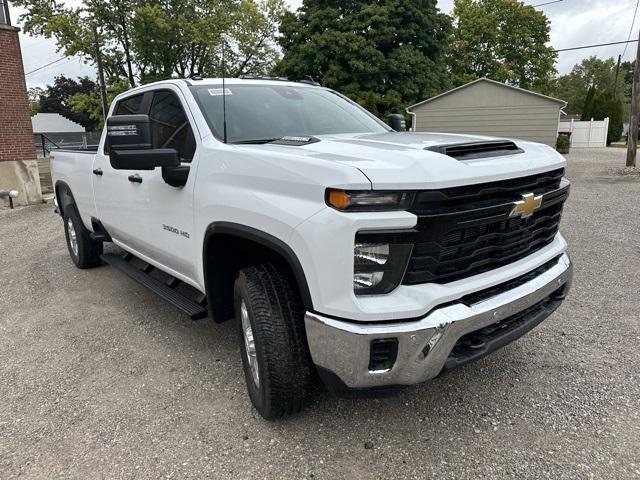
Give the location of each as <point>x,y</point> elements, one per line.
<point>141,212</point>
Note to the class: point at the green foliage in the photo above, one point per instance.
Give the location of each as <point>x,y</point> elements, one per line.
<point>587,109</point>
<point>147,40</point>
<point>600,106</point>
<point>504,40</point>
<point>55,99</point>
<point>90,104</point>
<point>34,94</point>
<point>591,72</point>
<point>563,142</point>
<point>385,55</point>
<point>606,105</point>
<point>616,120</point>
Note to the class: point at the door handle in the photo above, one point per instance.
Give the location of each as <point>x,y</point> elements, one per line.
<point>135,178</point>
<point>97,171</point>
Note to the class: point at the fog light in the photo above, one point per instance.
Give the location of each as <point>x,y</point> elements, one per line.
<point>370,253</point>
<point>366,280</point>
<point>378,267</point>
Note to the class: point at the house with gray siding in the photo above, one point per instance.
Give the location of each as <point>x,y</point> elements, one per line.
<point>487,107</point>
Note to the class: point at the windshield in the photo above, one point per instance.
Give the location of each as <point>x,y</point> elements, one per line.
<point>268,112</point>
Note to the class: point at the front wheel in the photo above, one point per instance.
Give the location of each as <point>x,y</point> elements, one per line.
<point>273,343</point>
<point>83,250</point>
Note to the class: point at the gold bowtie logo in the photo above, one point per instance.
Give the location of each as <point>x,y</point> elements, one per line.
<point>524,208</point>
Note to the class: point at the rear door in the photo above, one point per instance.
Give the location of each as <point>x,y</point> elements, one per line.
<point>139,209</point>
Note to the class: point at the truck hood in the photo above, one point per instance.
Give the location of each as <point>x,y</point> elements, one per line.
<point>400,160</point>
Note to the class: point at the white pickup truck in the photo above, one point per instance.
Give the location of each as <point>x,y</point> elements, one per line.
<point>344,249</point>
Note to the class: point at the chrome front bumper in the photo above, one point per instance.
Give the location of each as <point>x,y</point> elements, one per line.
<point>424,345</point>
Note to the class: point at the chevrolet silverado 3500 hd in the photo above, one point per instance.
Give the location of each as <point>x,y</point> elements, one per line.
<point>342,248</point>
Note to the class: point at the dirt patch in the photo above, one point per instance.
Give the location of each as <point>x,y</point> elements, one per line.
<point>625,171</point>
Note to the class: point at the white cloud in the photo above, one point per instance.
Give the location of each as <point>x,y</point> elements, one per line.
<point>573,23</point>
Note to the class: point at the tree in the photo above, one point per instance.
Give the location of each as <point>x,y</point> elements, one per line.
<point>34,94</point>
<point>591,72</point>
<point>385,55</point>
<point>90,103</point>
<point>587,109</point>
<point>605,104</point>
<point>616,119</point>
<point>504,40</point>
<point>147,40</point>
<point>55,99</point>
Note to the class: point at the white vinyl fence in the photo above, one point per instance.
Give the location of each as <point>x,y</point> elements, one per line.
<point>591,134</point>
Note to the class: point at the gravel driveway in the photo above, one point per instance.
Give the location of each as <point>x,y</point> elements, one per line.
<point>101,379</point>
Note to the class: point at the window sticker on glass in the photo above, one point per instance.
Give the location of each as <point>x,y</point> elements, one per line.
<point>216,92</point>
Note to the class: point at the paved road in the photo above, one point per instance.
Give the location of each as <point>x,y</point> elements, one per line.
<point>100,379</point>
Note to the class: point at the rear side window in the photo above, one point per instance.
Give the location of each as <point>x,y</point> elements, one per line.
<point>170,127</point>
<point>129,106</point>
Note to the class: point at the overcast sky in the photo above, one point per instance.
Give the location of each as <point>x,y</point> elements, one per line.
<point>573,23</point>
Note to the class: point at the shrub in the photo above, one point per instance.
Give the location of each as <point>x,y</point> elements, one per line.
<point>616,120</point>
<point>600,105</point>
<point>563,143</point>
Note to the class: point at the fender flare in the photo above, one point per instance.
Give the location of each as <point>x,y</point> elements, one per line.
<point>267,240</point>
<point>64,196</point>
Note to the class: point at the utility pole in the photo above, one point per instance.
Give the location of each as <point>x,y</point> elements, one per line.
<point>615,85</point>
<point>103,87</point>
<point>632,144</point>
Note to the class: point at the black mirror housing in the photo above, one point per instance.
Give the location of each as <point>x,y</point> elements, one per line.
<point>129,132</point>
<point>144,159</point>
<point>397,122</point>
<point>130,147</point>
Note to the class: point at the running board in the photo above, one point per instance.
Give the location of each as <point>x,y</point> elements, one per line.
<point>193,309</point>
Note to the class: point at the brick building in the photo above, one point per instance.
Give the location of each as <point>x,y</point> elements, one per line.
<point>18,165</point>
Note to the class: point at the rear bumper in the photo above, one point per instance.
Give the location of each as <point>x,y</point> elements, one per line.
<point>439,341</point>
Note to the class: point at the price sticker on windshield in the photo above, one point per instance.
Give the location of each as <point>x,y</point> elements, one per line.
<point>216,92</point>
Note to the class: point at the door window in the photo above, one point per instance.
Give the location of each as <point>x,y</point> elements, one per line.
<point>170,127</point>
<point>129,106</point>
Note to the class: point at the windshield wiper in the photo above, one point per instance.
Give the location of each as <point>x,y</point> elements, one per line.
<point>288,140</point>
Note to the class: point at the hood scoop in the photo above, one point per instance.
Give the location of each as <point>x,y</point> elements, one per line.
<point>475,150</point>
<point>295,141</point>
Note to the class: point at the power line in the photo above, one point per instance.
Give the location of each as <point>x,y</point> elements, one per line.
<point>633,22</point>
<point>593,46</point>
<point>546,3</point>
<point>44,66</point>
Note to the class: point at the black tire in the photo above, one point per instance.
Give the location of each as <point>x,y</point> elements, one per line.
<point>88,251</point>
<point>276,316</point>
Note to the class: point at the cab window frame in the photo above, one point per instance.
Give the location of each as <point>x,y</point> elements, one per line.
<point>189,120</point>
<point>143,109</point>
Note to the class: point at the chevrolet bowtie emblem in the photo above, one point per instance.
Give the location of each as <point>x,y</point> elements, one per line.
<point>524,208</point>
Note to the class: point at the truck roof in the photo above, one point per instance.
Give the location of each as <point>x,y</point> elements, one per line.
<point>247,80</point>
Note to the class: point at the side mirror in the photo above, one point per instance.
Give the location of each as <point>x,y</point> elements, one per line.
<point>397,122</point>
<point>129,142</point>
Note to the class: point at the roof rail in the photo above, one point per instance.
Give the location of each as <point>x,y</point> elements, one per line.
<point>308,79</point>
<point>263,77</point>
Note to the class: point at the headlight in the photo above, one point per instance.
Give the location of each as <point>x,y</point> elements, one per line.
<point>378,268</point>
<point>367,200</point>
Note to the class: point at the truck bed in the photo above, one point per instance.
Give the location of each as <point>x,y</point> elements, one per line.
<point>74,168</point>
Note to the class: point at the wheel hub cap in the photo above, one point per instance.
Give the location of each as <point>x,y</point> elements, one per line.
<point>249,343</point>
<point>73,240</point>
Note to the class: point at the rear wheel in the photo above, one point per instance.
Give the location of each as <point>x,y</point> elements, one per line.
<point>273,343</point>
<point>83,250</point>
